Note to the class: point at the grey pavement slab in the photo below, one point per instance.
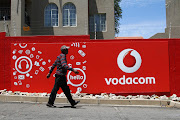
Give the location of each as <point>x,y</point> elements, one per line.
<point>35,111</point>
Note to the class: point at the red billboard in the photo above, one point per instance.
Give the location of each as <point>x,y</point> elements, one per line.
<point>111,67</point>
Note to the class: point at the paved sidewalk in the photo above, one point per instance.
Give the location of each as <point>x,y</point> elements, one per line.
<point>97,101</point>
<point>34,111</point>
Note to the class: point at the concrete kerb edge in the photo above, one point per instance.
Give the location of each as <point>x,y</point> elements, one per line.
<point>35,99</point>
<point>174,104</point>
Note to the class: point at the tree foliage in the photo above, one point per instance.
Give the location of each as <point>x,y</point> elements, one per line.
<point>117,14</point>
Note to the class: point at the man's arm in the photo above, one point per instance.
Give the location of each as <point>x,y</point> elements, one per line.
<point>64,64</point>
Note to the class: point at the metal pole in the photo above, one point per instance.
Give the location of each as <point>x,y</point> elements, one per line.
<point>5,24</point>
<point>14,27</point>
<point>95,32</point>
<point>170,31</point>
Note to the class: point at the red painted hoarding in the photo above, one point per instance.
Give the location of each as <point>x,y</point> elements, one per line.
<point>111,67</point>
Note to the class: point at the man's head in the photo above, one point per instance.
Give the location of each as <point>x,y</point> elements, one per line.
<point>64,49</point>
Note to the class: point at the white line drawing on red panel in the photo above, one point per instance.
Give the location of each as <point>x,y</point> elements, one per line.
<point>27,52</point>
<point>75,44</point>
<point>72,57</point>
<point>22,46</point>
<point>33,49</point>
<point>28,64</point>
<point>14,73</point>
<point>14,57</point>
<point>79,89</point>
<point>20,51</point>
<point>15,77</point>
<point>84,62</point>
<point>27,75</point>
<point>43,63</point>
<point>49,60</point>
<point>82,53</point>
<point>49,67</point>
<point>41,69</point>
<point>31,56</point>
<point>37,56</point>
<point>36,72</point>
<point>15,44</point>
<point>39,52</point>
<point>83,78</point>
<point>36,63</point>
<point>27,86</point>
<point>85,85</point>
<point>15,83</point>
<point>70,65</point>
<point>21,77</point>
<point>31,76</point>
<point>41,59</point>
<point>78,63</point>
<point>14,51</point>
<point>20,83</point>
<point>84,67</point>
<point>83,46</point>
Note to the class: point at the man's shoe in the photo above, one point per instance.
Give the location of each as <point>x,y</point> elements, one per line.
<point>50,105</point>
<point>75,103</point>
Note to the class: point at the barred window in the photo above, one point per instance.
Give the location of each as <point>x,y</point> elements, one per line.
<point>98,21</point>
<point>69,14</point>
<point>51,15</point>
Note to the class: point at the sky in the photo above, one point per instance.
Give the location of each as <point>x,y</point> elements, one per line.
<point>142,18</point>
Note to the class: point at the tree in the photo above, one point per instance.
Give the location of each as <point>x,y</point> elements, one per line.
<point>117,14</point>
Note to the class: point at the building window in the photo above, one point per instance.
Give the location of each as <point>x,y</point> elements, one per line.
<point>69,15</point>
<point>51,15</point>
<point>5,13</point>
<point>98,21</point>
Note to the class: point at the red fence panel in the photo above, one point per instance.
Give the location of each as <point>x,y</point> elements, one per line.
<point>111,67</point>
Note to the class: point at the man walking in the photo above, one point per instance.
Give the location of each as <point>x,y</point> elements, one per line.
<point>60,80</point>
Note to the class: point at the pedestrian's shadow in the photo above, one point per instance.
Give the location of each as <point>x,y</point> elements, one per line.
<point>76,107</point>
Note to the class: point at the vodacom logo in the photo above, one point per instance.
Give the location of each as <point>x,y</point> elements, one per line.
<point>129,60</point>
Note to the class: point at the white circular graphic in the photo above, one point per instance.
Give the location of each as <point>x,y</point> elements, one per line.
<point>23,46</point>
<point>121,64</point>
<point>31,56</point>
<point>14,57</point>
<point>33,49</point>
<point>27,52</point>
<point>79,89</point>
<point>72,57</point>
<point>85,85</point>
<point>23,58</point>
<point>27,86</point>
<point>43,63</point>
<point>76,85</point>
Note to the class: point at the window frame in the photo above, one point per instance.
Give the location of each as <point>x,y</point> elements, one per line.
<point>69,13</point>
<point>94,20</point>
<point>51,15</point>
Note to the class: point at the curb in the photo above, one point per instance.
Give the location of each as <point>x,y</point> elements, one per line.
<point>14,98</point>
<point>175,104</point>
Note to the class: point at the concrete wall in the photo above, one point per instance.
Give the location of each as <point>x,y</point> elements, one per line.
<point>35,10</point>
<point>103,6</point>
<point>37,18</point>
<point>17,17</point>
<point>172,20</point>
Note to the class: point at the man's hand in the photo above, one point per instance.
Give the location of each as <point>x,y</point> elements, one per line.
<point>48,75</point>
<point>75,71</point>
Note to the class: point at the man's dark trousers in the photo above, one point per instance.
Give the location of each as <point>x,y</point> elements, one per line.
<point>60,81</point>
